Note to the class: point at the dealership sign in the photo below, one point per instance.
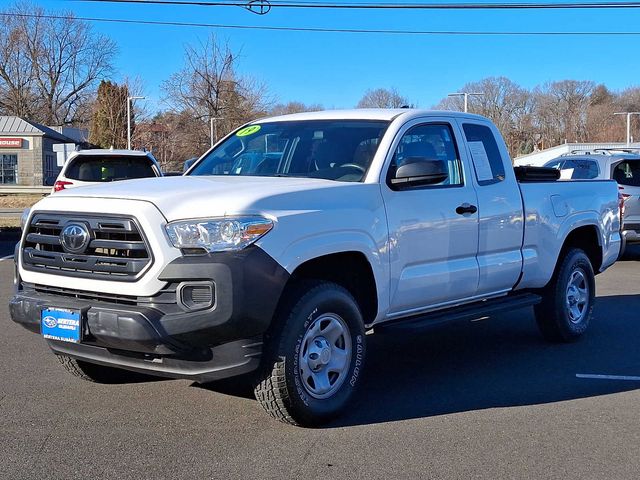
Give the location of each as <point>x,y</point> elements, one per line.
<point>10,143</point>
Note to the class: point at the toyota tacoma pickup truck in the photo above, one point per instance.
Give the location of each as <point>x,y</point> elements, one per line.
<point>293,238</point>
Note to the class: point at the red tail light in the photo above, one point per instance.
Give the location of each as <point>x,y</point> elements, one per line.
<point>60,185</point>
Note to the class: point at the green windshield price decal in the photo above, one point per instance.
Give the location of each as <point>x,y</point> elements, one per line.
<point>250,130</point>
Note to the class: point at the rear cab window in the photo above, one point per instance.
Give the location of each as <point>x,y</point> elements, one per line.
<point>109,168</point>
<point>485,154</point>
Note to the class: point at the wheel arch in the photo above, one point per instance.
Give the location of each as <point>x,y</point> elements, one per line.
<point>588,239</point>
<point>351,270</point>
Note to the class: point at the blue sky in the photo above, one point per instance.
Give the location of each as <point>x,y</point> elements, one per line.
<point>335,69</point>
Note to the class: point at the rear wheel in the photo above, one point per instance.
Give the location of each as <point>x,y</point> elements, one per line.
<point>92,372</point>
<point>567,302</point>
<point>314,358</point>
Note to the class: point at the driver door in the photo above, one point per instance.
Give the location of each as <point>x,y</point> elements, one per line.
<point>433,247</point>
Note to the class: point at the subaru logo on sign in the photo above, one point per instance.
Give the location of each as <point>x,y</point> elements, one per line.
<point>50,322</point>
<point>74,238</point>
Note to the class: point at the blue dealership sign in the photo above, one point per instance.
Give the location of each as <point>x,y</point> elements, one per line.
<point>61,324</point>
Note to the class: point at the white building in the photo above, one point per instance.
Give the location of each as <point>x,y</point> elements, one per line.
<point>541,157</point>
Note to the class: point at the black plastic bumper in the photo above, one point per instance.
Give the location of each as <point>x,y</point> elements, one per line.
<point>226,360</point>
<point>631,236</point>
<point>163,336</point>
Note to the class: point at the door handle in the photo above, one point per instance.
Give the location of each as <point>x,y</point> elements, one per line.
<point>466,208</point>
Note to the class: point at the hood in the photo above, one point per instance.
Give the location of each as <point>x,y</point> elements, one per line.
<point>217,196</point>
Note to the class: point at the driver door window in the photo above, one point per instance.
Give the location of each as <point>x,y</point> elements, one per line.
<point>433,142</point>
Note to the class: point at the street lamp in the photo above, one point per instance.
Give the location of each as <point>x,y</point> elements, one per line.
<point>129,102</point>
<point>213,129</point>
<point>466,97</point>
<point>628,114</point>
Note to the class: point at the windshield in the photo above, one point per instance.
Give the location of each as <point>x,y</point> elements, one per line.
<point>331,149</point>
<point>107,168</point>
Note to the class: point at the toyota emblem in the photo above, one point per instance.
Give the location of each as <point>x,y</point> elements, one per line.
<point>74,238</point>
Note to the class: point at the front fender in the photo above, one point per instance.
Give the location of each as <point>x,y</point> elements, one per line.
<point>301,238</point>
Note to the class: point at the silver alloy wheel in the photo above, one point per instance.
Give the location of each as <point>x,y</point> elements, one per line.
<point>577,296</point>
<point>325,355</point>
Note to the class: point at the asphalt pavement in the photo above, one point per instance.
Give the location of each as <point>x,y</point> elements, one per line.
<point>487,399</point>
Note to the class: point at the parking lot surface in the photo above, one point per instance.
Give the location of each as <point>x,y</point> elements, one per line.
<point>485,399</point>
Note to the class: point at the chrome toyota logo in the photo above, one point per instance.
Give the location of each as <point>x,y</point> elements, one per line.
<point>74,238</point>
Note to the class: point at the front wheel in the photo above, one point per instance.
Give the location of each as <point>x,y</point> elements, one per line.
<point>567,302</point>
<point>314,357</point>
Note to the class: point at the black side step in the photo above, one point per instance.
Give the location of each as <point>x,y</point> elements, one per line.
<point>471,311</point>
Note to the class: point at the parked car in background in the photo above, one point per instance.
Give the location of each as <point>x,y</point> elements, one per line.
<point>88,167</point>
<point>623,167</point>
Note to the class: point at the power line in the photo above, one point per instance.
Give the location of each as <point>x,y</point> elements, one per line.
<point>389,6</point>
<point>319,29</point>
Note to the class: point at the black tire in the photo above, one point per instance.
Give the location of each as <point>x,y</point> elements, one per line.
<point>92,372</point>
<point>623,247</point>
<point>560,317</point>
<point>283,388</point>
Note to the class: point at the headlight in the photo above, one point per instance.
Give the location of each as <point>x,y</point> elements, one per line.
<point>24,217</point>
<point>218,234</point>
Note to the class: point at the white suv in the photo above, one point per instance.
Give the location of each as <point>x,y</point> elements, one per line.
<point>88,167</point>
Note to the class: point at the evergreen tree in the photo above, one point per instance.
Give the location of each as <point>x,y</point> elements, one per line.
<point>109,121</point>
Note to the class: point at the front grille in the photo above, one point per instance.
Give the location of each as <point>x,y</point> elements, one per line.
<point>166,296</point>
<point>117,249</point>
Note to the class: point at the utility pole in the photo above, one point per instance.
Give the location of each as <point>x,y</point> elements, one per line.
<point>129,102</point>
<point>628,114</point>
<point>213,129</point>
<point>466,96</point>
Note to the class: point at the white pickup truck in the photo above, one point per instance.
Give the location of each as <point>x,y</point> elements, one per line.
<point>294,236</point>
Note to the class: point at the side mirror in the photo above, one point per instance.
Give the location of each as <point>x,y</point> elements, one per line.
<point>419,171</point>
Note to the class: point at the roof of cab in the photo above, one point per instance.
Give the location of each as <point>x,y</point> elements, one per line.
<point>110,151</point>
<point>387,114</point>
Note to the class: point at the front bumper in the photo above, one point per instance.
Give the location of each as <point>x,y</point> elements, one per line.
<point>159,334</point>
<point>631,236</point>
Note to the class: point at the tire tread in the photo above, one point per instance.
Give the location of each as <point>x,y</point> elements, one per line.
<point>271,390</point>
<point>71,365</point>
<point>550,319</point>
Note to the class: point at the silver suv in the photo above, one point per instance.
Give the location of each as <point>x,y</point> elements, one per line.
<point>619,165</point>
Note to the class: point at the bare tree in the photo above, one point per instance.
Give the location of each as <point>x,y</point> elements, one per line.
<point>293,107</point>
<point>173,138</point>
<point>49,67</point>
<point>507,104</point>
<point>209,88</point>
<point>561,110</point>
<point>382,98</point>
<point>17,93</point>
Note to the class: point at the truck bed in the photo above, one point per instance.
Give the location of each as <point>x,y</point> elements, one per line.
<point>552,208</point>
